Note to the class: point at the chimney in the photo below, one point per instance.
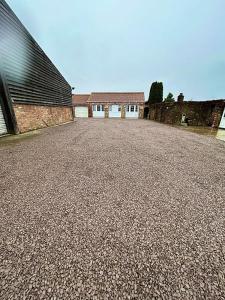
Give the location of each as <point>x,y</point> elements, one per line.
<point>180,98</point>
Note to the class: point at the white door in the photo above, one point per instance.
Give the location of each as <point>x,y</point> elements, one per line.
<point>222,122</point>
<point>115,111</point>
<point>98,111</point>
<point>132,111</point>
<point>3,128</point>
<point>81,112</point>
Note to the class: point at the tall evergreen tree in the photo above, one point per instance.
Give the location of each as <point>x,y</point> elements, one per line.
<point>156,93</point>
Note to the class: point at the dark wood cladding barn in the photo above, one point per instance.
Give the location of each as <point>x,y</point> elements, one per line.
<point>30,76</point>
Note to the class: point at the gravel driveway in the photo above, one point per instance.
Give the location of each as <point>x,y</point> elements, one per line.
<point>112,209</point>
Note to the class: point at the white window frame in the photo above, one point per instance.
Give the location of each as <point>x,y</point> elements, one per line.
<point>132,111</point>
<point>98,107</point>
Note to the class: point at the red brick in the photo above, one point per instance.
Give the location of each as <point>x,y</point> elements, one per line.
<point>31,117</point>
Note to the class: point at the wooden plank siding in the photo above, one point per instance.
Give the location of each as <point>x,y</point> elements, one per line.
<point>30,76</point>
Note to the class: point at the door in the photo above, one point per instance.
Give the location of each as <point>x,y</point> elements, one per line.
<point>222,122</point>
<point>3,128</point>
<point>115,111</point>
<point>98,111</point>
<point>132,111</point>
<point>81,112</point>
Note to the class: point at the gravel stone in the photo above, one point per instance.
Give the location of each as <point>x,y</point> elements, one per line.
<point>112,209</point>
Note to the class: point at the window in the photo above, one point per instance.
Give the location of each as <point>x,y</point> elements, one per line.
<point>94,107</point>
<point>132,108</point>
<point>110,108</point>
<point>127,108</point>
<point>136,108</point>
<point>119,108</point>
<point>100,107</point>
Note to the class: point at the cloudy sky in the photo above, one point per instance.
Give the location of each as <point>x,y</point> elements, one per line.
<point>125,45</point>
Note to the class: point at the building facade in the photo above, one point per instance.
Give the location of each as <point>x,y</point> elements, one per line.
<point>33,93</point>
<point>80,105</point>
<point>111,105</point>
<point>117,105</point>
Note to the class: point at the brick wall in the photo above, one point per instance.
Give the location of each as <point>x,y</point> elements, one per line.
<point>90,110</point>
<point>141,111</point>
<point>106,108</point>
<point>206,113</point>
<point>31,117</point>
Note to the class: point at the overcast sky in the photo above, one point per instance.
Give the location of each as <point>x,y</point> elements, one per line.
<point>125,45</point>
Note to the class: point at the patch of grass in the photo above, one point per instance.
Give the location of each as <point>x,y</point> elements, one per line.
<point>201,130</point>
<point>10,140</point>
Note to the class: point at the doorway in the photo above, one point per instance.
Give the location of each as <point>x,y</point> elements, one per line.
<point>115,111</point>
<point>222,122</point>
<point>7,117</point>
